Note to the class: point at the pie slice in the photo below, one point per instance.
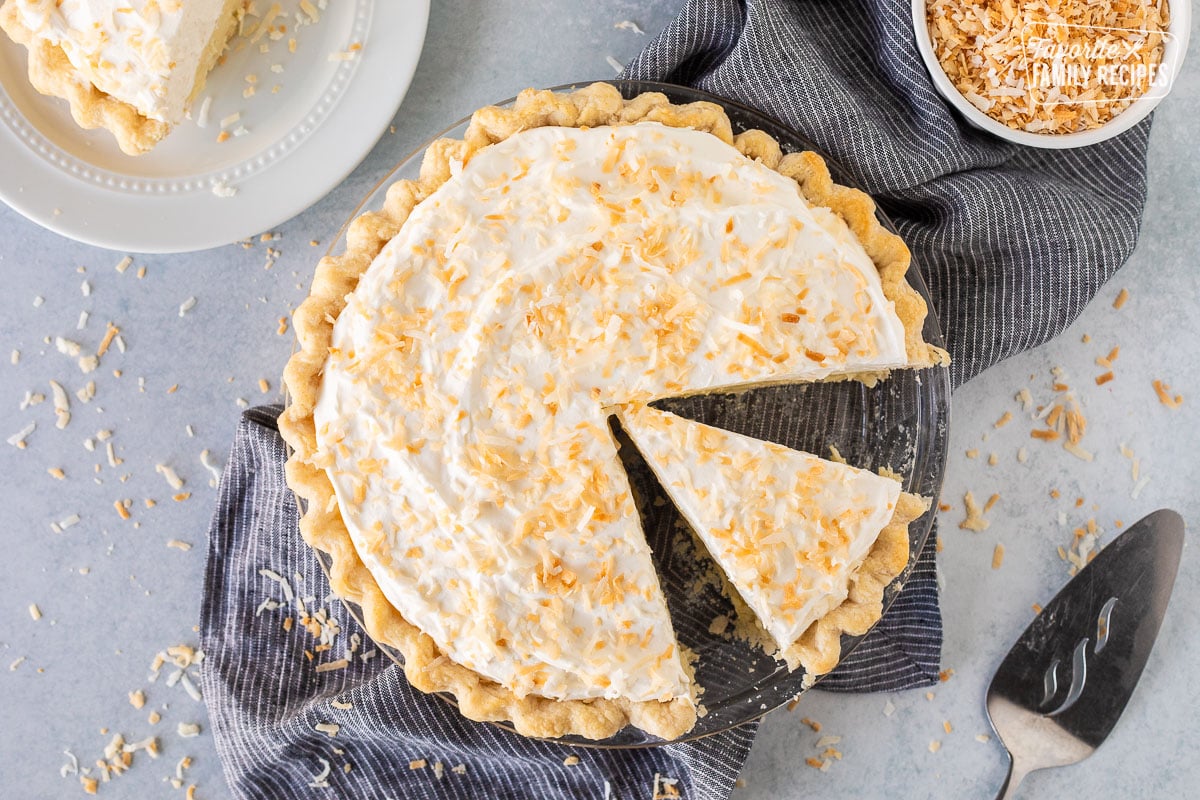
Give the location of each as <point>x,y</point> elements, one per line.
<point>130,66</point>
<point>457,365</point>
<point>796,535</point>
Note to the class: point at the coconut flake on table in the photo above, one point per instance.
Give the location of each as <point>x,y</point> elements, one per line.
<point>62,405</point>
<point>71,767</point>
<point>64,523</point>
<point>31,399</point>
<point>67,347</point>
<point>192,690</point>
<point>173,480</point>
<point>17,440</point>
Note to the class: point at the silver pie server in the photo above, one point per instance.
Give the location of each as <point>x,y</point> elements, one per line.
<point>1061,689</point>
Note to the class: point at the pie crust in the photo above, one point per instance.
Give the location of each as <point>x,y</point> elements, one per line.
<point>321,523</point>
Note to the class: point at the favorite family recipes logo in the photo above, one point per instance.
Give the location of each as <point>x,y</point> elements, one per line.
<point>1093,64</point>
<point>1056,68</point>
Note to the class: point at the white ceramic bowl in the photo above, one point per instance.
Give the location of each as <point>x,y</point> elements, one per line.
<point>1179,29</point>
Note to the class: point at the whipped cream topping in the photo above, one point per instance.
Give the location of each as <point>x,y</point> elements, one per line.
<point>787,528</point>
<point>142,52</point>
<point>463,412</point>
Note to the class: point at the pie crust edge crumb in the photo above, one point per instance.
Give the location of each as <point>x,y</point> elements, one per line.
<point>321,524</point>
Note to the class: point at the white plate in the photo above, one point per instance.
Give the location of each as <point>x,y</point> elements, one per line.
<point>302,140</point>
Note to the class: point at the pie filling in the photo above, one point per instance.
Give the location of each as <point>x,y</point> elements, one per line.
<point>559,274</point>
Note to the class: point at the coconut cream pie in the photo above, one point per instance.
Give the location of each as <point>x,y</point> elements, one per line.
<point>573,255</point>
<point>796,535</point>
<point>130,66</point>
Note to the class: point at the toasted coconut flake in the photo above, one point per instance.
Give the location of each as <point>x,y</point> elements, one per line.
<point>974,520</point>
<point>1036,68</point>
<point>328,728</point>
<point>665,788</point>
<point>1163,391</point>
<point>188,729</point>
<point>997,561</point>
<point>1121,299</point>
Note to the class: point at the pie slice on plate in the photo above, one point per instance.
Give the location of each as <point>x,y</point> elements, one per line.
<point>808,544</point>
<point>130,66</point>
<point>457,365</point>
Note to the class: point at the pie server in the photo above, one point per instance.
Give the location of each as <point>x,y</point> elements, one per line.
<point>1061,689</point>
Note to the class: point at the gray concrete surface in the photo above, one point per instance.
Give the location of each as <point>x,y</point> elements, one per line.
<point>112,593</point>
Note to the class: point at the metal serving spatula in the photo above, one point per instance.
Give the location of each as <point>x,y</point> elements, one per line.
<point>1060,690</point>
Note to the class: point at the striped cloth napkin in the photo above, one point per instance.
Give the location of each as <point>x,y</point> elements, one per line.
<point>1012,243</point>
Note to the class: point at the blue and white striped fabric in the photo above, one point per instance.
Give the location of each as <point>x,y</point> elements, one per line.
<point>1012,242</point>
